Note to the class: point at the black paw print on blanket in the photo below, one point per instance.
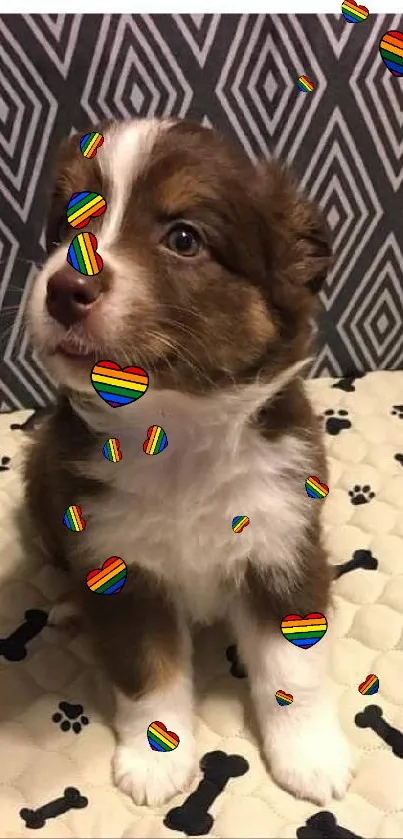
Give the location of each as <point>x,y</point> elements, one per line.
<point>361,494</point>
<point>397,411</point>
<point>71,717</point>
<point>336,421</point>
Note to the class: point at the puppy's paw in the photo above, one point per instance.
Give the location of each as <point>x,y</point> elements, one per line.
<point>309,755</point>
<point>64,614</point>
<point>154,777</point>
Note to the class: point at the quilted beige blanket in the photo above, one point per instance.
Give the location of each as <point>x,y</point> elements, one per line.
<point>55,742</point>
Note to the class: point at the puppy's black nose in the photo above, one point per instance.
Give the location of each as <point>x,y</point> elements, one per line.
<point>70,296</point>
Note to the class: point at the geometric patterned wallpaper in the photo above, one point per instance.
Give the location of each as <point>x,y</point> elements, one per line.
<point>64,73</point>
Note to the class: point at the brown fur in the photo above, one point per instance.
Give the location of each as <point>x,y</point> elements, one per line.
<point>238,309</point>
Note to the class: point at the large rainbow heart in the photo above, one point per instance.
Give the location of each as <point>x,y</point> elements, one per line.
<point>391,49</point>
<point>118,386</point>
<point>83,206</point>
<point>160,739</point>
<point>109,579</point>
<point>304,632</point>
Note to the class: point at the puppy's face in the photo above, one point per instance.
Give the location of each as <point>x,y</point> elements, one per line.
<point>209,263</point>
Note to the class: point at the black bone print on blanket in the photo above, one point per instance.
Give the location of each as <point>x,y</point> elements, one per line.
<point>372,717</point>
<point>192,817</point>
<point>347,383</point>
<point>324,825</point>
<point>70,800</point>
<point>14,648</point>
<point>31,422</point>
<point>361,559</point>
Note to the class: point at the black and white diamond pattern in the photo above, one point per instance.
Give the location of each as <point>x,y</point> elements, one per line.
<point>61,72</point>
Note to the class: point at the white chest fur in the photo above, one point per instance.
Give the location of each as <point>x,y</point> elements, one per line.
<point>172,512</point>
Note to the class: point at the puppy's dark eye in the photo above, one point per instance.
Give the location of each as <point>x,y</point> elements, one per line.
<point>184,240</point>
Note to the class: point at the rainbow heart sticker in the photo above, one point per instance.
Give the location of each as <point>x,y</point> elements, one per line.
<point>391,49</point>
<point>82,255</point>
<point>83,206</point>
<point>109,579</point>
<point>353,13</point>
<point>111,450</point>
<point>304,632</point>
<point>305,85</point>
<point>370,686</point>
<point>73,518</point>
<point>90,143</point>
<point>239,522</point>
<point>118,386</point>
<point>284,698</point>
<point>160,739</point>
<point>314,488</point>
<point>156,440</point>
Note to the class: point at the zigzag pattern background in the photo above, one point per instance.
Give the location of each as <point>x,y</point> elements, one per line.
<point>63,73</point>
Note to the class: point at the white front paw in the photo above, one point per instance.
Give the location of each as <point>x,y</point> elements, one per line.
<point>153,777</point>
<point>309,755</point>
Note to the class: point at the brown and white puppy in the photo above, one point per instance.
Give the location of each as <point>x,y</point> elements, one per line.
<point>210,265</point>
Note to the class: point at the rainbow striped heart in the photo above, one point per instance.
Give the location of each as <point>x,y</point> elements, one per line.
<point>73,518</point>
<point>304,632</point>
<point>391,49</point>
<point>305,85</point>
<point>109,579</point>
<point>111,450</point>
<point>370,686</point>
<point>314,488</point>
<point>118,386</point>
<point>156,440</point>
<point>82,255</point>
<point>160,739</point>
<point>83,206</point>
<point>353,13</point>
<point>90,143</point>
<point>284,698</point>
<point>239,522</point>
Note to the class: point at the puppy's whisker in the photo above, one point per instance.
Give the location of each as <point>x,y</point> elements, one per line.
<point>184,355</point>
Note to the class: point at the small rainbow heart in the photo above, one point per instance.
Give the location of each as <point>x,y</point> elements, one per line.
<point>160,739</point>
<point>284,698</point>
<point>314,488</point>
<point>304,632</point>
<point>118,386</point>
<point>156,440</point>
<point>73,518</point>
<point>391,49</point>
<point>82,255</point>
<point>370,686</point>
<point>83,206</point>
<point>353,13</point>
<point>239,522</point>
<point>90,143</point>
<point>109,579</point>
<point>305,85</point>
<point>111,450</point>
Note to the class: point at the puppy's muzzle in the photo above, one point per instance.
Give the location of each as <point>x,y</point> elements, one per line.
<point>70,296</point>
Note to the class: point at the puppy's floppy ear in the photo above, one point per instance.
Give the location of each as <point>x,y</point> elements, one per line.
<point>299,239</point>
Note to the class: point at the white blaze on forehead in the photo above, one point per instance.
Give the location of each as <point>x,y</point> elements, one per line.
<point>126,150</point>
